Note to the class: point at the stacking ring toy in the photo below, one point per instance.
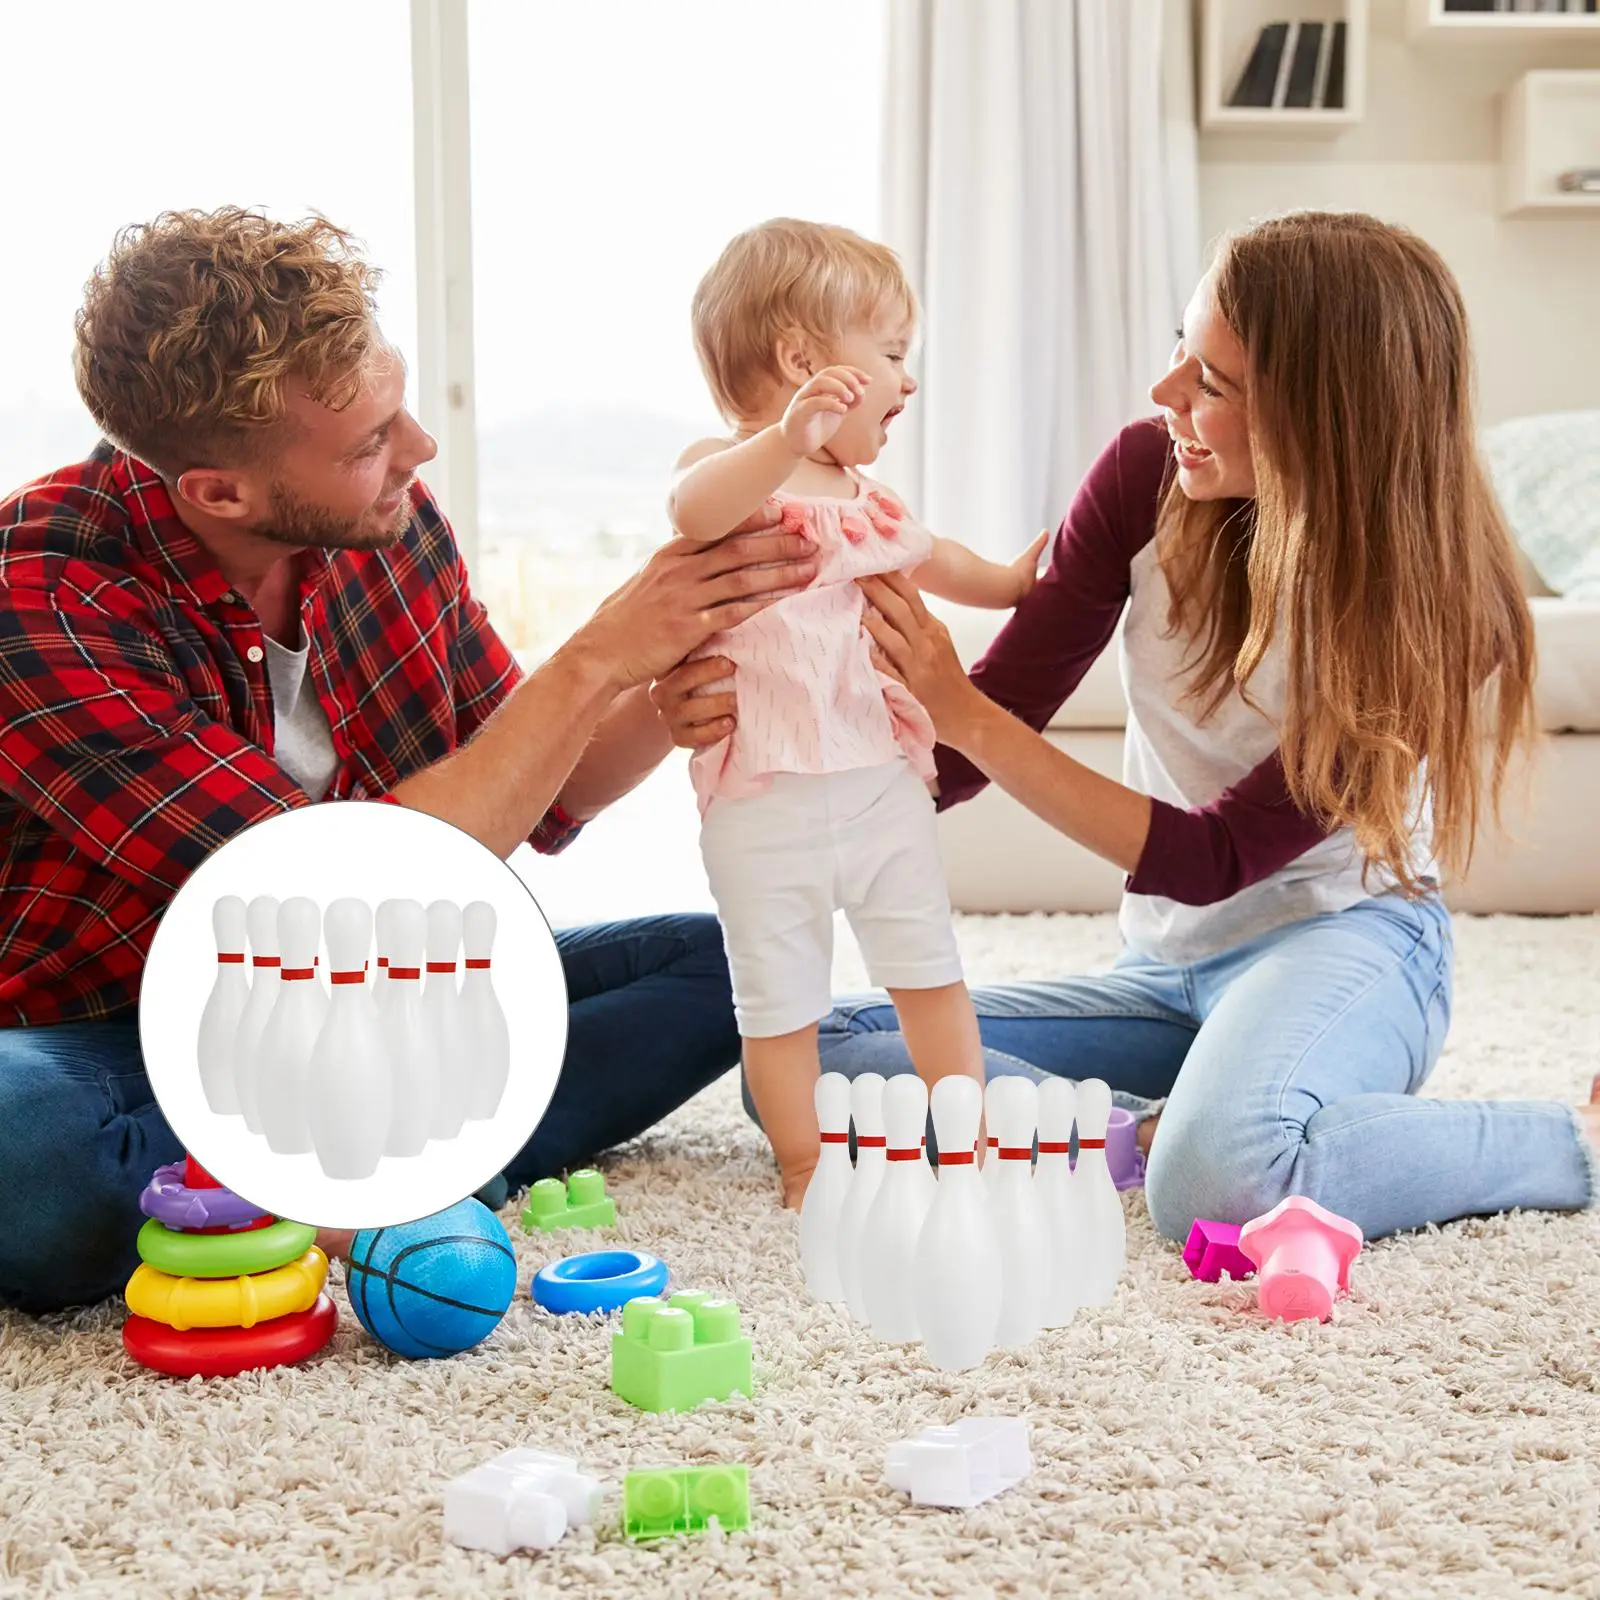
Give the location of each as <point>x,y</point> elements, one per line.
<point>224,1255</point>
<point>169,1199</point>
<point>221,1352</point>
<point>602,1280</point>
<point>185,1303</point>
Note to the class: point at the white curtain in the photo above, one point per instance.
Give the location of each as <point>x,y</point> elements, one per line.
<point>1041,184</point>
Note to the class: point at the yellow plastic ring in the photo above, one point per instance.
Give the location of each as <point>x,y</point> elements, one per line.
<point>185,1303</point>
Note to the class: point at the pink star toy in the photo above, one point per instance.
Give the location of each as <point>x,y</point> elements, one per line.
<point>1302,1256</point>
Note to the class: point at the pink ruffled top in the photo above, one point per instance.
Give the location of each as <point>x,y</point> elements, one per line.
<point>809,697</point>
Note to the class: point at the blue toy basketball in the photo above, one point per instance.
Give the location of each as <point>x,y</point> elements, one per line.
<point>436,1286</point>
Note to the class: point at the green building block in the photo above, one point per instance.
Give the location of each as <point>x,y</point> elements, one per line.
<point>580,1202</point>
<point>659,1503</point>
<point>670,1357</point>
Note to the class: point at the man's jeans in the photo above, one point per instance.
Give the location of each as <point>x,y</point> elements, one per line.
<point>651,1024</point>
<point>1290,1065</point>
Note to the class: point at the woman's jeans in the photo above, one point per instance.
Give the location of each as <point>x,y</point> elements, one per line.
<point>650,1024</point>
<point>1290,1065</point>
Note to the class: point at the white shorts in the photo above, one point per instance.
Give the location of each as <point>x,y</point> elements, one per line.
<point>783,862</point>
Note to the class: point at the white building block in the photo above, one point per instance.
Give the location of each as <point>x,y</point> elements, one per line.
<point>962,1465</point>
<point>521,1500</point>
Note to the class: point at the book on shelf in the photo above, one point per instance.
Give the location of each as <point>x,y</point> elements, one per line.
<point>1333,85</point>
<point>1259,79</point>
<point>1302,83</point>
<point>1294,66</point>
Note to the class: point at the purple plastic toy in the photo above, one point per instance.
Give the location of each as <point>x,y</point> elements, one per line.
<point>1123,1155</point>
<point>1213,1248</point>
<point>170,1200</point>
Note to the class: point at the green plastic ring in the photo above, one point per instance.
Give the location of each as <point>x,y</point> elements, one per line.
<point>223,1255</point>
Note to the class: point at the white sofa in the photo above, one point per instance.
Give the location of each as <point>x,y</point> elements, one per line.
<point>999,857</point>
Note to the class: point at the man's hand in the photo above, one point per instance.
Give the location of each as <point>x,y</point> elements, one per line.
<point>686,592</point>
<point>694,717</point>
<point>821,405</point>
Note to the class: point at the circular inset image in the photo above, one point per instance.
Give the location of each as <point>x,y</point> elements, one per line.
<point>352,1015</point>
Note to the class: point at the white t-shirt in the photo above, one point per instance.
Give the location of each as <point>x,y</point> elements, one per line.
<point>304,741</point>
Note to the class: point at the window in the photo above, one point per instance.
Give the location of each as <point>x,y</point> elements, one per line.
<point>615,149</point>
<point>114,114</point>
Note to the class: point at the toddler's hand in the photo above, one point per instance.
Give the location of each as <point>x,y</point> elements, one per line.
<point>821,405</point>
<point>1026,567</point>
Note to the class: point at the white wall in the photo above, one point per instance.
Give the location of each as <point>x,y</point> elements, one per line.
<point>1427,156</point>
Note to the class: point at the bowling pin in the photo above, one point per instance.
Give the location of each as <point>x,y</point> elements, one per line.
<point>441,1013</point>
<point>889,1236</point>
<point>383,935</point>
<point>825,1194</point>
<point>990,1153</point>
<point>1013,1114</point>
<point>1052,1189</point>
<point>219,1022</point>
<point>413,1067</point>
<point>261,919</point>
<point>284,1056</point>
<point>482,1020</point>
<point>349,1091</point>
<point>956,1269</point>
<point>1095,1199</point>
<point>866,1112</point>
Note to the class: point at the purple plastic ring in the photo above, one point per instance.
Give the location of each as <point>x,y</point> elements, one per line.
<point>170,1200</point>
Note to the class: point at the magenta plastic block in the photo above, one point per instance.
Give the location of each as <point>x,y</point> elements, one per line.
<point>1213,1248</point>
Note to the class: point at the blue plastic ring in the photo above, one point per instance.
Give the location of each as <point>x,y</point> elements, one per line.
<point>602,1280</point>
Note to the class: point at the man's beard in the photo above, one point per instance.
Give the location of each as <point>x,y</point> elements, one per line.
<point>304,525</point>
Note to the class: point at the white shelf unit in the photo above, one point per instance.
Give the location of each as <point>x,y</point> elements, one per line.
<point>1228,33</point>
<point>1428,20</point>
<point>1549,124</point>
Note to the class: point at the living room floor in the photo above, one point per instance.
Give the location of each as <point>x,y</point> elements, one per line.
<point>1439,1437</point>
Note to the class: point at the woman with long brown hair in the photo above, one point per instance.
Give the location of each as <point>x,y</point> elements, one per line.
<point>1329,667</point>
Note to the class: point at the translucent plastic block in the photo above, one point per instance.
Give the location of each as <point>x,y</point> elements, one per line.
<point>669,1500</point>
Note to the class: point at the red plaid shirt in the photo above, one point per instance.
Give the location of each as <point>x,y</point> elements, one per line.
<point>136,719</point>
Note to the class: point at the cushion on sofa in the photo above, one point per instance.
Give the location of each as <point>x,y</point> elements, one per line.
<point>1546,471</point>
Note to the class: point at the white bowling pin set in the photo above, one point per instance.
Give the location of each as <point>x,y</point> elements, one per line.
<point>964,1263</point>
<point>383,1064</point>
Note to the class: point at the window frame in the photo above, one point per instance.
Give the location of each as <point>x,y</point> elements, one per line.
<point>442,177</point>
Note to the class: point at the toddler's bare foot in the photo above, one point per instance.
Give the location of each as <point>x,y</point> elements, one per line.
<point>1590,1114</point>
<point>795,1185</point>
<point>335,1243</point>
<point>1145,1133</point>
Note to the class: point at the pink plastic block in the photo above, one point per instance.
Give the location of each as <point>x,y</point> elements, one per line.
<point>1303,1254</point>
<point>1213,1248</point>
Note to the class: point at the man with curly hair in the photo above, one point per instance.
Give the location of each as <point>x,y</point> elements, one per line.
<point>244,602</point>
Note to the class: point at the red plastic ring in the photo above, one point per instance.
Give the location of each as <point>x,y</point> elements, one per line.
<point>222,1352</point>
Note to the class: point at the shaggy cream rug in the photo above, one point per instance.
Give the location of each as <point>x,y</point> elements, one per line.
<point>1441,1437</point>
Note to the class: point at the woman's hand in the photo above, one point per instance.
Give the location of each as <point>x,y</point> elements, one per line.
<point>914,647</point>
